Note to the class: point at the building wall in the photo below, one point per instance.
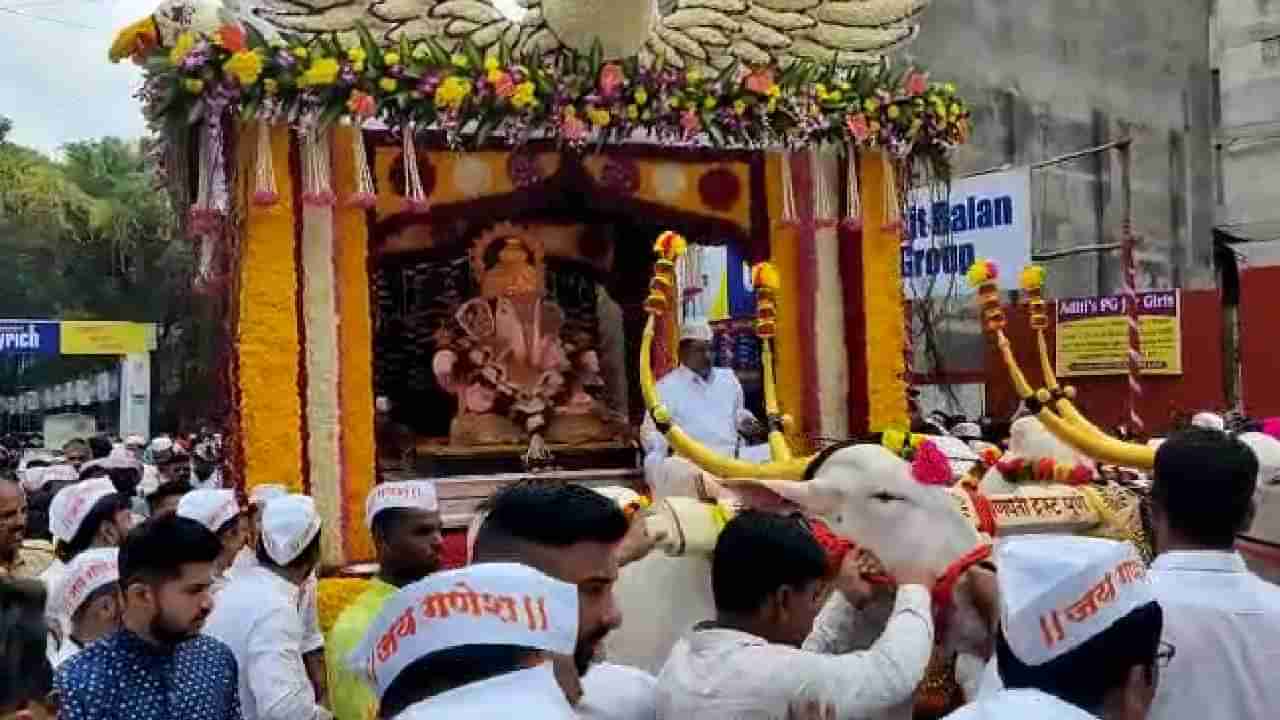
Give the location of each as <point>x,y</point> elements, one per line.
<point>1246,56</point>
<point>1049,77</point>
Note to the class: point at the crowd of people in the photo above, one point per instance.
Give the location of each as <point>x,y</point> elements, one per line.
<point>171,597</point>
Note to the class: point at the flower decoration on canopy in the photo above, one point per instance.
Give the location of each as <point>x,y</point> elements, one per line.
<point>575,97</point>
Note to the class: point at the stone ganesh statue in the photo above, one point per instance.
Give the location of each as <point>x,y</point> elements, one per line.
<point>517,376</point>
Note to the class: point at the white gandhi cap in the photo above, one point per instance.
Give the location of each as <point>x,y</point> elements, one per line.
<point>73,504</point>
<point>289,524</point>
<point>695,328</point>
<point>87,573</point>
<point>1057,592</point>
<point>406,494</point>
<point>211,508</point>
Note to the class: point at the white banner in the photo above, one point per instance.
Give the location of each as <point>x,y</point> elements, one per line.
<point>988,216</point>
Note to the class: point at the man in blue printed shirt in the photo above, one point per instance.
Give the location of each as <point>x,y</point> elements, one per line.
<point>158,667</point>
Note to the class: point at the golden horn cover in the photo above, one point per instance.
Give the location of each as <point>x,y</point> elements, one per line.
<point>783,466</point>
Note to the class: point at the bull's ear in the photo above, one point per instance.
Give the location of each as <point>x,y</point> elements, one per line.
<point>812,497</point>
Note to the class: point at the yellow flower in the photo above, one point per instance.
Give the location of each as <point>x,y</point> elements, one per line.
<point>773,104</point>
<point>894,112</point>
<point>709,103</point>
<point>358,66</point>
<point>323,71</point>
<point>693,76</point>
<point>193,85</point>
<point>491,64</point>
<point>388,84</point>
<point>452,92</point>
<point>955,109</point>
<point>598,117</point>
<point>821,90</point>
<point>836,96</point>
<point>674,103</point>
<point>245,65</point>
<point>633,112</point>
<point>461,61</point>
<point>775,91</point>
<point>391,58</point>
<point>871,105</point>
<point>356,55</point>
<point>271,86</point>
<point>642,96</point>
<point>496,75</point>
<point>181,47</point>
<point>950,88</point>
<point>300,53</point>
<point>740,107</point>
<point>523,96</point>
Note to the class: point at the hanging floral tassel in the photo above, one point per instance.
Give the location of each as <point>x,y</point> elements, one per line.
<point>415,197</point>
<point>892,206</point>
<point>316,182</point>
<point>205,217</point>
<point>824,204</point>
<point>853,193</point>
<point>789,215</point>
<point>364,195</point>
<point>264,175</point>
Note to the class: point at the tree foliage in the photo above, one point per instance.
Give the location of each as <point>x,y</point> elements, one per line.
<point>91,236</point>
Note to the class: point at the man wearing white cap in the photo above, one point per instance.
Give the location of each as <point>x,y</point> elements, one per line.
<point>1224,620</point>
<point>404,518</point>
<point>258,615</point>
<point>89,594</point>
<point>218,510</point>
<point>1080,632</point>
<point>473,644</point>
<point>707,402</point>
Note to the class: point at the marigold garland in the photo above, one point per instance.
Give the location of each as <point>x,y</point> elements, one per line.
<point>575,97</point>
<point>333,595</point>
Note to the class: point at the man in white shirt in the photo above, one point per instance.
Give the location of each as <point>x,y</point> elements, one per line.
<point>259,616</point>
<point>1224,620</point>
<point>707,402</point>
<point>219,511</point>
<point>767,577</point>
<point>89,595</point>
<point>477,643</point>
<point>1079,636</point>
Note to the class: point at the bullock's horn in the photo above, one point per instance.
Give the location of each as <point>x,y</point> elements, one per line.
<point>1085,438</point>
<point>783,466</point>
<point>1033,277</point>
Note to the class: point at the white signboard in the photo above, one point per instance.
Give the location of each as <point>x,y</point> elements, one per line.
<point>988,216</point>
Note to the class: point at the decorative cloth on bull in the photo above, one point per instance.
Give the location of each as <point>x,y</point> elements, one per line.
<point>289,524</point>
<point>211,508</point>
<point>409,494</point>
<point>88,573</point>
<point>1057,592</point>
<point>486,604</point>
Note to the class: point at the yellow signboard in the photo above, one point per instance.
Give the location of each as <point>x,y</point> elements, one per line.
<point>1093,335</point>
<point>90,337</point>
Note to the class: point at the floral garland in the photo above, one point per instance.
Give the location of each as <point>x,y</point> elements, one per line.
<point>1019,470</point>
<point>577,98</point>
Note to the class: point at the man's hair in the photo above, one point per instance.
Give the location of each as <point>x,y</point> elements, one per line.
<point>556,516</point>
<point>387,521</point>
<point>99,446</point>
<point>447,670</point>
<point>93,471</point>
<point>156,550</point>
<point>108,589</point>
<point>167,490</point>
<point>310,555</point>
<point>75,444</point>
<point>25,673</point>
<point>1204,482</point>
<point>103,511</point>
<point>1084,676</point>
<point>756,554</point>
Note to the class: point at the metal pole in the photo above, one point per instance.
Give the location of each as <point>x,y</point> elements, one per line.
<point>1128,241</point>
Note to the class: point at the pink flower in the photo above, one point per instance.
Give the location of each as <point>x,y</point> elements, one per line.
<point>857,125</point>
<point>503,85</point>
<point>690,121</point>
<point>916,83</point>
<point>930,466</point>
<point>572,127</point>
<point>611,79</point>
<point>478,399</point>
<point>759,82</point>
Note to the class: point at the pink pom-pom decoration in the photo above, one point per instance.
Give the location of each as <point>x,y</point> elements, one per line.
<point>930,466</point>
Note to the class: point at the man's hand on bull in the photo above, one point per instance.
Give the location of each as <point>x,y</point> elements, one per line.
<point>850,583</point>
<point>638,542</point>
<point>910,574</point>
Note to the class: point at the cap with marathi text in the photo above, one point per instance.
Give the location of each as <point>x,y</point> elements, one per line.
<point>695,328</point>
<point>409,494</point>
<point>1057,592</point>
<point>485,604</point>
<point>73,504</point>
<point>534,691</point>
<point>211,508</point>
<point>289,524</point>
<point>87,573</point>
<point>1209,421</point>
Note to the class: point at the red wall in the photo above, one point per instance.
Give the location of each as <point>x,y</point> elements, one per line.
<point>1259,345</point>
<point>1104,400</point>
